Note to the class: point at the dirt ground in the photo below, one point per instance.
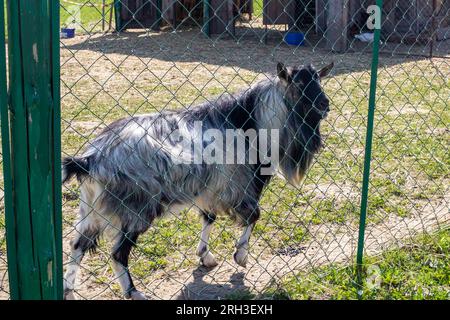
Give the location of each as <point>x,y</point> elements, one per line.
<point>331,245</point>
<point>105,77</point>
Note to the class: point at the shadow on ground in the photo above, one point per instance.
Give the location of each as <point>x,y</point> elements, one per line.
<point>200,289</point>
<point>246,50</point>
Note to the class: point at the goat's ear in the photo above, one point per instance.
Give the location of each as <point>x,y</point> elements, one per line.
<point>282,72</point>
<point>326,70</point>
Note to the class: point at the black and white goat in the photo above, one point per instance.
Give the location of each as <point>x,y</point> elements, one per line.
<point>130,175</point>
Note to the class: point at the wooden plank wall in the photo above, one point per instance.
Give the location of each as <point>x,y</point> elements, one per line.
<point>144,11</point>
<point>410,20</point>
<point>243,6</point>
<point>443,21</point>
<point>321,16</point>
<point>222,19</point>
<point>167,9</point>
<point>275,12</point>
<point>337,24</point>
<point>125,13</point>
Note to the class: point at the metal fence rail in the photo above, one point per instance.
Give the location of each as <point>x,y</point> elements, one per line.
<point>378,188</point>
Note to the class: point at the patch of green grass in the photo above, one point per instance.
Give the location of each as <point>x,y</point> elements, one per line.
<point>85,17</point>
<point>417,271</point>
<point>402,173</point>
<point>240,295</point>
<point>258,8</point>
<point>2,234</point>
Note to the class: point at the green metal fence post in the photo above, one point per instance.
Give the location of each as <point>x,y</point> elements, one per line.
<point>117,15</point>
<point>368,151</point>
<point>206,18</point>
<point>35,213</point>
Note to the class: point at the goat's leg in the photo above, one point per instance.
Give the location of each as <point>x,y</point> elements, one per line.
<point>242,245</point>
<point>206,257</point>
<point>87,232</point>
<point>84,240</point>
<point>120,255</point>
<point>249,215</point>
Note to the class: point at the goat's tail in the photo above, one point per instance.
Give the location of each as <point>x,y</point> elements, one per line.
<point>72,166</point>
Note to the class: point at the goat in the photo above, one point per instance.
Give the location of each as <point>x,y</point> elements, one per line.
<point>130,174</point>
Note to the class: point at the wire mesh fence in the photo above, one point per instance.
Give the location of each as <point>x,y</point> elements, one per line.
<point>4,288</point>
<point>4,291</point>
<point>162,57</point>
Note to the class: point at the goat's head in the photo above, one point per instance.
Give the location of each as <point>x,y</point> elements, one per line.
<point>303,91</point>
<point>308,105</point>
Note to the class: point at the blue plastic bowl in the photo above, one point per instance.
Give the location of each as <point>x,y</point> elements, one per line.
<point>69,33</point>
<point>294,38</point>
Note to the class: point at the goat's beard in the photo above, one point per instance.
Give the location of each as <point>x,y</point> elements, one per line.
<point>293,177</point>
<point>299,142</point>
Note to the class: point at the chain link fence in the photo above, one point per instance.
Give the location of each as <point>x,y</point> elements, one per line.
<point>133,57</point>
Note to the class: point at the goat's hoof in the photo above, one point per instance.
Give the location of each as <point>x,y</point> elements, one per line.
<point>137,295</point>
<point>68,295</point>
<point>240,257</point>
<point>208,261</point>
